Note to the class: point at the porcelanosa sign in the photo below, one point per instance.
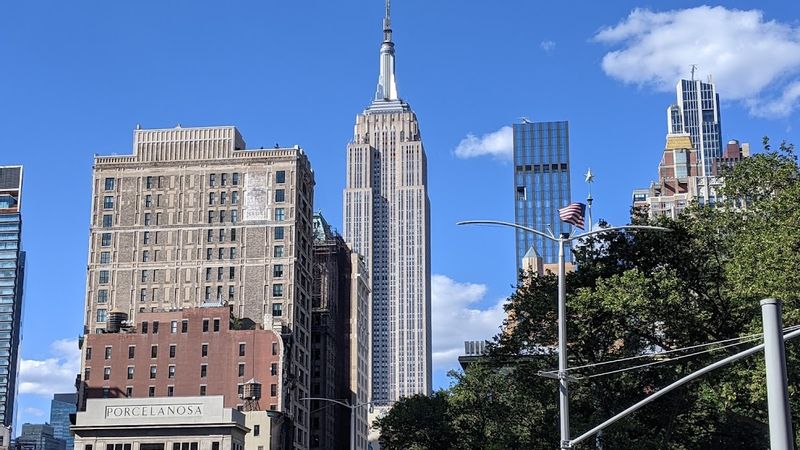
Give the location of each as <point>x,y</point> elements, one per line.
<point>156,411</point>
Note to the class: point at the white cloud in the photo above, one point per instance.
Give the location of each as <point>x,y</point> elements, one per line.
<point>751,60</point>
<point>48,376</point>
<point>33,411</point>
<point>457,318</point>
<point>548,46</point>
<point>497,144</point>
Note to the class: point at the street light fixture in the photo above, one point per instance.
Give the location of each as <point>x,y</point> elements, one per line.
<point>562,239</point>
<point>352,408</point>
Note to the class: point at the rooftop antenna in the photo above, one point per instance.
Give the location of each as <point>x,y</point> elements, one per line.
<point>525,119</point>
<point>694,69</point>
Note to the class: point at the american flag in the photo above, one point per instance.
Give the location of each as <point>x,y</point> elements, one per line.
<point>573,214</point>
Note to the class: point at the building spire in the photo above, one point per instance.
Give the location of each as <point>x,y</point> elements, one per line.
<point>387,86</point>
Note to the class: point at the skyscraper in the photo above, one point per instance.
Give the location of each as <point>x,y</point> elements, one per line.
<point>61,407</point>
<point>387,220</point>
<point>541,186</point>
<point>697,113</point>
<point>12,282</point>
<point>193,218</point>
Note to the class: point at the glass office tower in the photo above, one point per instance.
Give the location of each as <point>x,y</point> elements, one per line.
<point>697,113</point>
<point>541,186</point>
<point>61,407</point>
<point>12,270</point>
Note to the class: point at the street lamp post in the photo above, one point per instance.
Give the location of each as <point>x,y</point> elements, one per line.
<point>352,408</point>
<point>562,239</point>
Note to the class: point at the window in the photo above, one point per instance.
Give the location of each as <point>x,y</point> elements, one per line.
<point>148,201</point>
<point>233,252</point>
<point>144,276</point>
<point>221,253</point>
<point>147,218</point>
<point>224,179</point>
<point>273,369</point>
<point>108,353</point>
<point>208,254</point>
<point>277,252</point>
<point>273,390</point>
<point>280,176</point>
<point>106,373</point>
<point>233,234</point>
<point>105,239</point>
<point>277,309</point>
<point>173,349</point>
<point>205,325</point>
<point>222,235</point>
<point>212,180</point>
<point>235,178</point>
<point>109,184</point>
<point>143,295</point>
<point>223,198</point>
<point>203,393</point>
<point>212,198</point>
<point>256,430</point>
<point>105,257</point>
<point>86,372</point>
<point>203,370</point>
<point>146,237</point>
<point>234,216</point>
<point>274,344</point>
<point>184,326</point>
<point>149,182</point>
<point>128,393</point>
<point>108,202</point>
<point>145,255</point>
<point>170,391</point>
<point>208,273</point>
<point>216,324</point>
<point>241,370</point>
<point>211,217</point>
<point>132,350</point>
<point>280,195</point>
<point>231,292</point>
<point>108,220</point>
<point>280,214</point>
<point>103,278</point>
<point>154,351</point>
<point>102,296</point>
<point>155,327</point>
<point>232,273</point>
<point>240,391</point>
<point>204,350</point>
<point>222,217</point>
<point>171,372</point>
<point>210,236</point>
<point>101,315</point>
<point>144,327</point>
<point>242,349</point>
<point>235,198</point>
<point>130,372</point>
<point>278,233</point>
<point>158,218</point>
<point>152,372</point>
<point>219,273</point>
<point>277,290</point>
<point>88,353</point>
<point>173,326</point>
<point>151,391</point>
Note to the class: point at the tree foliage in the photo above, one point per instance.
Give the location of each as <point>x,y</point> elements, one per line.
<point>636,293</point>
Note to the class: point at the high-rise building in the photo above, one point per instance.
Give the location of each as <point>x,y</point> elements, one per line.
<point>387,220</point>
<point>339,341</point>
<point>12,283</point>
<point>61,407</point>
<point>193,218</point>
<point>541,186</point>
<point>38,437</point>
<point>697,114</point>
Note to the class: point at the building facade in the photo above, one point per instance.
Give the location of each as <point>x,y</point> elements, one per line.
<point>340,341</point>
<point>387,221</point>
<point>194,218</point>
<point>61,407</point>
<point>697,114</point>
<point>179,423</point>
<point>541,186</point>
<point>38,437</point>
<point>12,284</point>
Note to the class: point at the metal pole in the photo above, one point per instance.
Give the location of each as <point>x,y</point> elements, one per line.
<point>780,419</point>
<point>563,394</point>
<point>353,427</point>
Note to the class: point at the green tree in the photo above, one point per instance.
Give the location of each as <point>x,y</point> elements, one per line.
<point>418,422</point>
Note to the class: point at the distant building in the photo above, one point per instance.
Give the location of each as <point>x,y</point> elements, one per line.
<point>61,407</point>
<point>38,437</point>
<point>340,328</point>
<point>12,283</point>
<point>541,186</point>
<point>178,423</point>
<point>697,114</point>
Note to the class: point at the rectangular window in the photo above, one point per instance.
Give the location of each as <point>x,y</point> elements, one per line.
<point>105,239</point>
<point>222,235</point>
<point>210,236</point>
<point>108,202</point>
<point>232,273</point>
<point>203,393</point>
<point>224,179</point>
<point>277,271</point>
<point>235,198</point>
<point>173,326</point>
<point>184,326</point>
<point>209,252</point>
<point>256,430</point>
<point>274,344</point>
<point>148,201</point>
<point>280,214</point>
<point>221,253</point>
<point>128,393</point>
<point>233,234</point>
<point>149,182</point>
<point>143,295</point>
<point>108,353</point>
<point>107,373</point>
<point>144,327</point>
<point>280,176</point>
<point>278,233</point>
<point>204,350</point>
<point>234,217</point>
<point>277,252</point>
<point>146,237</point>
<point>231,292</point>
<point>108,220</point>
<point>144,276</point>
<point>233,252</point>
<point>155,327</point>
<point>280,195</point>
<point>88,353</point>
<point>211,217</point>
<point>105,257</point>
<point>235,178</point>
<point>152,372</point>
<point>132,348</point>
<point>273,369</point>
<point>205,325</point>
<point>171,372</point>
<point>216,324</point>
<point>151,391</point>
<point>86,372</point>
<point>102,296</point>
<point>103,277</point>
<point>158,218</point>
<point>170,391</point>
<point>208,273</point>
<point>101,315</point>
<point>223,198</point>
<point>212,198</point>
<point>212,180</point>
<point>222,217</point>
<point>203,370</point>
<point>219,273</point>
<point>109,184</point>
<point>154,351</point>
<point>145,255</point>
<point>277,309</point>
<point>241,370</point>
<point>148,218</point>
<point>173,350</point>
<point>130,372</point>
<point>273,390</point>
<point>242,349</point>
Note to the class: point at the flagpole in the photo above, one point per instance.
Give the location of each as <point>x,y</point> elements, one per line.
<point>589,181</point>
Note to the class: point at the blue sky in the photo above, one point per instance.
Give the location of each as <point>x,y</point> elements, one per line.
<point>77,77</point>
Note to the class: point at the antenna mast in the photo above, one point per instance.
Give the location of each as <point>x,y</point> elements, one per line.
<point>693,66</point>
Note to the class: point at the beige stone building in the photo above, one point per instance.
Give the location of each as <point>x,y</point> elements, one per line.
<point>194,218</point>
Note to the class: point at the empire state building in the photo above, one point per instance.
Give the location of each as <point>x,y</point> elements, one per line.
<point>387,221</point>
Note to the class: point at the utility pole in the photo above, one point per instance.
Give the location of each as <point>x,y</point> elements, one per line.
<point>780,418</point>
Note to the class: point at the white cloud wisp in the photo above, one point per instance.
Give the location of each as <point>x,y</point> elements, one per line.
<point>56,374</point>
<point>497,144</point>
<point>751,60</point>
